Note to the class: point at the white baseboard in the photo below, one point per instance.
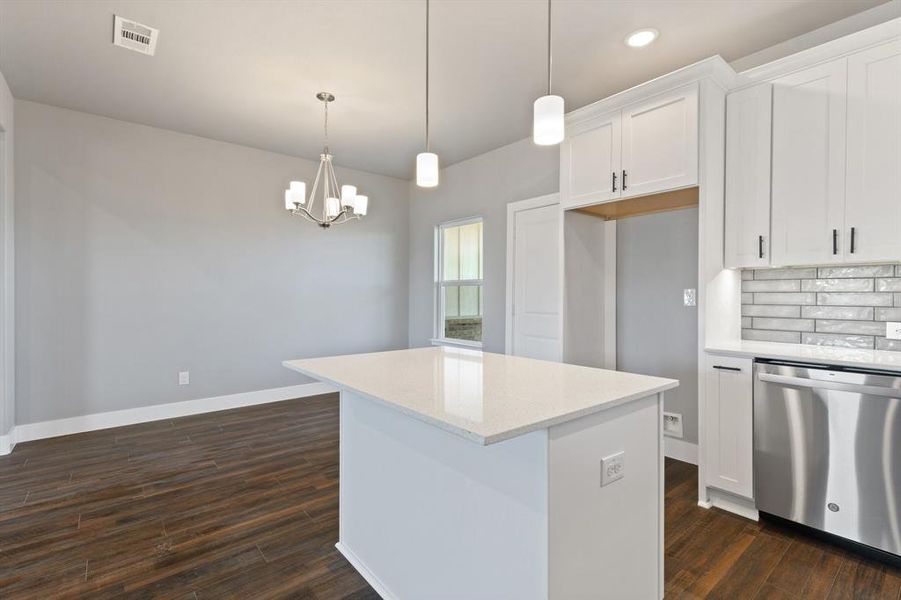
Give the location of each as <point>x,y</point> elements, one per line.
<point>680,450</point>
<point>363,570</point>
<point>131,416</point>
<point>731,503</point>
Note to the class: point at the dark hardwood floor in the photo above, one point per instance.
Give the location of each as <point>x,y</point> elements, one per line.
<point>243,504</point>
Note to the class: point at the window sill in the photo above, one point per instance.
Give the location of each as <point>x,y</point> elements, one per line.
<point>456,343</point>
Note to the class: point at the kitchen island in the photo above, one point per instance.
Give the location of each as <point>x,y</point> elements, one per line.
<point>474,475</point>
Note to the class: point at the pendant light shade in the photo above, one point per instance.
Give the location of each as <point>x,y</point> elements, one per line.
<point>548,127</point>
<point>427,162</point>
<point>348,193</point>
<point>427,169</point>
<point>361,204</point>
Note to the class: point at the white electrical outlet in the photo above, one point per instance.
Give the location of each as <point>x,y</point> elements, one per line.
<point>184,377</point>
<point>613,467</point>
<point>690,297</point>
<point>893,331</point>
<point>672,424</point>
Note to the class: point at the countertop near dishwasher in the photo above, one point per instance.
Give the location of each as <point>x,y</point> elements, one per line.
<point>852,357</point>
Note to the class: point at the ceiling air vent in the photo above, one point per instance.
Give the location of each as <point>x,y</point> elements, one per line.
<point>134,36</point>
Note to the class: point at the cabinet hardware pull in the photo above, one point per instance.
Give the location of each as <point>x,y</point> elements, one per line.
<point>614,180</point>
<point>852,240</point>
<point>835,241</point>
<point>624,180</point>
<point>722,368</point>
<point>760,246</point>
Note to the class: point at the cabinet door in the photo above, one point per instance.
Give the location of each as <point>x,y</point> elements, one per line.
<point>873,192</point>
<point>590,163</point>
<point>729,423</point>
<point>809,165</point>
<point>660,143</point>
<point>748,125</point>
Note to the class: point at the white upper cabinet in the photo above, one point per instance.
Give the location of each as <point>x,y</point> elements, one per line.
<point>873,190</point>
<point>748,122</point>
<point>590,162</point>
<point>808,176</point>
<point>647,147</point>
<point>660,143</point>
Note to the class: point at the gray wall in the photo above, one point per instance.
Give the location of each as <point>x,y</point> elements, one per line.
<point>480,186</point>
<point>656,258</point>
<point>143,252</point>
<point>7,262</point>
<point>826,306</point>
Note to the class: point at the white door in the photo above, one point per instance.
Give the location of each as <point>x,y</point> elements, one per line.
<point>535,267</point>
<point>808,194</point>
<point>660,143</point>
<point>729,425</point>
<point>590,163</point>
<point>748,122</point>
<point>873,192</point>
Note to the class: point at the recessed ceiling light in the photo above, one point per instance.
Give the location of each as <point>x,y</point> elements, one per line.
<point>642,37</point>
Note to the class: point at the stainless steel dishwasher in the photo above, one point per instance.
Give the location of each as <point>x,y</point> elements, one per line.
<point>827,449</point>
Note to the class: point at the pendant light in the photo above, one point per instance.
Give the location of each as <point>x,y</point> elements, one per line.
<point>547,121</point>
<point>427,162</point>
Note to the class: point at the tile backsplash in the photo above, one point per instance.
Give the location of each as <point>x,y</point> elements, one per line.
<point>827,306</point>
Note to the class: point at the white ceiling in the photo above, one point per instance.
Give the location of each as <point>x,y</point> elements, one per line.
<point>247,72</point>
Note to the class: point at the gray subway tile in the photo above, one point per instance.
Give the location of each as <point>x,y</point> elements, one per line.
<point>771,310</point>
<point>747,298</point>
<point>853,299</point>
<point>746,322</point>
<point>747,274</point>
<point>847,313</point>
<point>887,285</point>
<point>851,327</point>
<point>836,285</point>
<point>789,337</point>
<point>888,314</point>
<point>862,271</point>
<point>841,341</point>
<point>772,285</point>
<point>897,299</point>
<point>897,270</point>
<point>887,344</point>
<point>784,324</point>
<point>806,273</point>
<point>785,298</point>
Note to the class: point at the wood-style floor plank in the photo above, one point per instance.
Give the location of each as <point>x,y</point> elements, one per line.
<point>244,504</point>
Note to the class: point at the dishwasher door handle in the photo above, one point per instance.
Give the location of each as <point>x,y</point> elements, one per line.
<point>869,390</point>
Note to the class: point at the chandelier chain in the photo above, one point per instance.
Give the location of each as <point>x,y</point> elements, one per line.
<point>427,141</point>
<point>549,50</point>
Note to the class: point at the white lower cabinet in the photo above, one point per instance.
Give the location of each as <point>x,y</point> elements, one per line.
<point>729,424</point>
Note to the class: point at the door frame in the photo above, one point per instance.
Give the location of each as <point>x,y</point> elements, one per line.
<point>512,209</point>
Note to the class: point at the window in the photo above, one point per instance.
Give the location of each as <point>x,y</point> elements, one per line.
<point>458,282</point>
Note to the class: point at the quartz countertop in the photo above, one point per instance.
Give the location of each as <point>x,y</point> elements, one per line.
<point>481,396</point>
<point>852,357</point>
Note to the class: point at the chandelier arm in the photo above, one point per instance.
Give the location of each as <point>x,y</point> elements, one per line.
<point>331,170</point>
<point>315,186</point>
<point>306,214</point>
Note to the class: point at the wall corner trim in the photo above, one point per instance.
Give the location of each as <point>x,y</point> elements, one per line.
<point>680,450</point>
<point>144,414</point>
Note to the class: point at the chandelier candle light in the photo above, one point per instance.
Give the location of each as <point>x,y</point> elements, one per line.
<point>336,207</point>
<point>547,123</point>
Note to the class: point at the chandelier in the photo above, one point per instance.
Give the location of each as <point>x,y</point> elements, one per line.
<point>339,203</point>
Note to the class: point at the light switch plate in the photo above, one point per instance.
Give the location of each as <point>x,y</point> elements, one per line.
<point>690,297</point>
<point>184,377</point>
<point>893,331</point>
<point>613,467</point>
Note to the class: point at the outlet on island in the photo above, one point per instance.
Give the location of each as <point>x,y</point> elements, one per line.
<point>613,467</point>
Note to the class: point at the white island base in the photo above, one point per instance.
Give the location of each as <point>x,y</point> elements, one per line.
<point>428,514</point>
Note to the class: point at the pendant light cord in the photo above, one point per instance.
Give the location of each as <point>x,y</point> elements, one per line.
<point>549,53</point>
<point>427,141</point>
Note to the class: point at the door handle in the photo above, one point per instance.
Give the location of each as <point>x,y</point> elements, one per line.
<point>854,388</point>
<point>853,231</point>
<point>614,180</point>
<point>624,180</point>
<point>759,246</point>
<point>722,368</point>
<point>835,241</point>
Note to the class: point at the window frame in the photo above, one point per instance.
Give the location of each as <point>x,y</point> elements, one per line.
<point>439,283</point>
